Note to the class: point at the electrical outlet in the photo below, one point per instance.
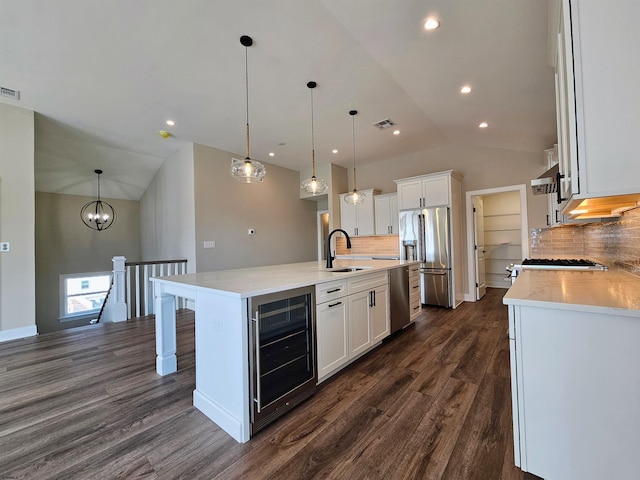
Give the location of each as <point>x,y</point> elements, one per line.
<point>5,247</point>
<point>210,244</point>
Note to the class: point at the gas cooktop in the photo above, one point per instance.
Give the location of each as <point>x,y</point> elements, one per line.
<point>562,263</point>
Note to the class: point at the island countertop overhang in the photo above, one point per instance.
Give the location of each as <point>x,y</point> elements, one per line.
<point>253,281</point>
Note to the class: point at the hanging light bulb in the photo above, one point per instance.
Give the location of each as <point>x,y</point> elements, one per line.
<point>313,185</point>
<point>354,197</point>
<point>98,215</point>
<point>247,170</point>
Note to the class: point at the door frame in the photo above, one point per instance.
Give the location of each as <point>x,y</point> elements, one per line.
<point>470,296</point>
<point>321,238</point>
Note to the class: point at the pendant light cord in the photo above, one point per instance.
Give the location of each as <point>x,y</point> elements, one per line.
<point>246,87</point>
<point>353,119</point>
<point>313,144</point>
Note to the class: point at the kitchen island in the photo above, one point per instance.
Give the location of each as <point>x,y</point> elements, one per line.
<point>574,338</point>
<point>222,327</point>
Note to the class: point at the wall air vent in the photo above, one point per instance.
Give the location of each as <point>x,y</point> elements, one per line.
<point>9,93</point>
<point>382,124</point>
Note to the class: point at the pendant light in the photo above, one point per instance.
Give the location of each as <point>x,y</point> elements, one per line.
<point>247,170</point>
<point>98,215</point>
<point>354,197</point>
<point>313,185</point>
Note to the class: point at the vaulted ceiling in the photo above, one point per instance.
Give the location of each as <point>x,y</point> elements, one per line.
<point>104,76</point>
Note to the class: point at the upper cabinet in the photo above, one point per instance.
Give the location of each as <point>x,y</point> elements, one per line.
<point>423,191</point>
<point>358,220</point>
<point>386,211</point>
<point>597,74</point>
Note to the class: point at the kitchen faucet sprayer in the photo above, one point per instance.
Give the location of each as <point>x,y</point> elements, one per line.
<point>329,257</point>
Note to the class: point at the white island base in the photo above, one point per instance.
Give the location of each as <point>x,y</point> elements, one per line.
<point>221,328</point>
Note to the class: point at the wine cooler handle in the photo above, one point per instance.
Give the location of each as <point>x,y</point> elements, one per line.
<point>257,358</point>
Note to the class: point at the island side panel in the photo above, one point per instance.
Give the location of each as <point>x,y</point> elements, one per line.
<point>222,365</point>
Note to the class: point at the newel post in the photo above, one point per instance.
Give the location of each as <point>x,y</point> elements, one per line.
<point>118,299</point>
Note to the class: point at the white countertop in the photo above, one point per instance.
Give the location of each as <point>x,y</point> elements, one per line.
<point>249,282</point>
<point>613,291</point>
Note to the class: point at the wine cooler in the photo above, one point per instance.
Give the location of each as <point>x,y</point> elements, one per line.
<point>283,369</point>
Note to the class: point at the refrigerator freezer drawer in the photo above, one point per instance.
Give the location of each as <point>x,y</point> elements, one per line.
<point>435,287</point>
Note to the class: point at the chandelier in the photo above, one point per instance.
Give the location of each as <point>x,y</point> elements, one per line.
<point>98,215</point>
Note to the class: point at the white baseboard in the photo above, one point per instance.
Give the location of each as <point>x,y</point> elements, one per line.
<point>16,333</point>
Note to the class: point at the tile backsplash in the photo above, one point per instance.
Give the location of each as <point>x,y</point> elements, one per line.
<point>610,242</point>
<point>378,245</point>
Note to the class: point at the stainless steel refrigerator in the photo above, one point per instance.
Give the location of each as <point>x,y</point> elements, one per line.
<point>425,235</point>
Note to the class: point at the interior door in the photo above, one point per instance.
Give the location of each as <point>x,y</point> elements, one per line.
<point>478,233</point>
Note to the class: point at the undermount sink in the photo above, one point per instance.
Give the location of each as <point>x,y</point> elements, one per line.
<point>348,269</point>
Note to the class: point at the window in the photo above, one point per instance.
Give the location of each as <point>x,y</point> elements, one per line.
<point>83,293</point>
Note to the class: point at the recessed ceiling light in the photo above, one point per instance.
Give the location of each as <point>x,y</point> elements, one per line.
<point>431,23</point>
<point>334,151</point>
<point>171,123</point>
<point>396,132</point>
<point>483,125</point>
<point>271,154</point>
<point>465,89</point>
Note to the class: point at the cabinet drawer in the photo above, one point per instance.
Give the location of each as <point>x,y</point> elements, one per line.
<point>330,290</point>
<point>414,286</point>
<point>367,282</point>
<point>415,306</point>
<point>414,270</point>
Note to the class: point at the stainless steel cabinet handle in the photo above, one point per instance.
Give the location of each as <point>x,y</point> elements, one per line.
<point>334,304</point>
<point>257,398</point>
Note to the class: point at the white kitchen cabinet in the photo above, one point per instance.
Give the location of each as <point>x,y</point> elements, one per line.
<point>358,220</point>
<point>424,191</point>
<point>597,74</point>
<point>352,322</point>
<point>332,334</point>
<point>575,391</point>
<point>386,213</point>
<point>415,304</point>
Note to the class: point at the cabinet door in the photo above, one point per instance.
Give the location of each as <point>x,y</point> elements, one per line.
<point>435,191</point>
<point>365,219</point>
<point>409,194</point>
<point>331,332</point>
<point>383,214</point>
<point>393,215</point>
<point>348,216</point>
<point>359,323</point>
<point>379,314</point>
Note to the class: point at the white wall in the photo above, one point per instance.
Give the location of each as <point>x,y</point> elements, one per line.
<point>285,225</point>
<point>17,223</point>
<point>167,211</point>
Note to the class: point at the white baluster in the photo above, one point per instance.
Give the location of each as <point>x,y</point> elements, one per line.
<point>129,303</point>
<point>146,287</point>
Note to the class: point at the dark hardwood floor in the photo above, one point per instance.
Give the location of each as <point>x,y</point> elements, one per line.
<point>432,402</point>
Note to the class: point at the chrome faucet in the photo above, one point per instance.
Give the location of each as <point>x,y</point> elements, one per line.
<point>329,257</point>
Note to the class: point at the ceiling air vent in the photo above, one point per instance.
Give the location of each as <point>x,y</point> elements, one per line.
<point>382,124</point>
<point>9,93</point>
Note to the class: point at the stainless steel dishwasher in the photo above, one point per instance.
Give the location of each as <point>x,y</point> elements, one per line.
<point>399,295</point>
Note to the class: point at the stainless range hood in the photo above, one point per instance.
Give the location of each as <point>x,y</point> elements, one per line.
<point>547,182</point>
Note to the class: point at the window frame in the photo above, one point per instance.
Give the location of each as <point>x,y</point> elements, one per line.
<point>64,316</point>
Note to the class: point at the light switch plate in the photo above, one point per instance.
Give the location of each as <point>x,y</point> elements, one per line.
<point>5,247</point>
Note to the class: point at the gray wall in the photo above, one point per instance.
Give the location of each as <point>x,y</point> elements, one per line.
<point>285,225</point>
<point>167,211</point>
<point>65,245</point>
<point>17,219</point>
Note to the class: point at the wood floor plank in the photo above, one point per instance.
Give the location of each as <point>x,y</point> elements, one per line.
<point>480,449</point>
<point>428,448</point>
